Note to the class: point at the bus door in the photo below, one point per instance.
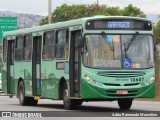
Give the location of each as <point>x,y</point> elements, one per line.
<point>36,65</point>
<point>75,64</point>
<point>10,67</point>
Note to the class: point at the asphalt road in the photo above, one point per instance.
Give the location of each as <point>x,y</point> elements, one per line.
<point>88,110</point>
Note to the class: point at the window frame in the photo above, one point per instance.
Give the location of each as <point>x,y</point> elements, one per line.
<point>49,45</point>
<point>29,47</point>
<point>66,43</point>
<point>19,48</point>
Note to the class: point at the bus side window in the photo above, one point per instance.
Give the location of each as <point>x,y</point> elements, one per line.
<point>48,45</point>
<point>19,49</point>
<point>62,44</point>
<point>27,47</point>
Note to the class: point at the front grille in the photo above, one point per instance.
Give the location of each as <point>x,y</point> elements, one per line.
<point>121,74</point>
<point>108,84</point>
<point>132,84</point>
<point>112,84</point>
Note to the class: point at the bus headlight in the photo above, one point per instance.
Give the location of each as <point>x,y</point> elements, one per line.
<point>87,77</point>
<point>93,82</point>
<point>151,79</point>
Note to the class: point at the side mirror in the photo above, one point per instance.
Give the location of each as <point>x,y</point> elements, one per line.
<point>80,42</point>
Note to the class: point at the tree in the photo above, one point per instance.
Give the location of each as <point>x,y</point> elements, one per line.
<point>130,10</point>
<point>67,12</point>
<point>156,31</point>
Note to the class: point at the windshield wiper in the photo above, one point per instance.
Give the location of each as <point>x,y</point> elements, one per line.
<point>108,43</point>
<point>131,41</point>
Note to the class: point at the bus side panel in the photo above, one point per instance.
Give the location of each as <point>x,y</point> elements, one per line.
<point>48,80</point>
<point>4,79</point>
<point>18,73</point>
<point>28,78</point>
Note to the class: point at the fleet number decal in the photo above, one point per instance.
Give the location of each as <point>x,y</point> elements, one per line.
<point>139,79</point>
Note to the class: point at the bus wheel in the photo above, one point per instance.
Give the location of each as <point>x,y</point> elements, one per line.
<point>68,103</point>
<point>125,103</point>
<point>22,99</point>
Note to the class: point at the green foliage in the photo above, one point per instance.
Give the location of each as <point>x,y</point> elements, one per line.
<point>156,31</point>
<point>130,10</point>
<point>67,12</point>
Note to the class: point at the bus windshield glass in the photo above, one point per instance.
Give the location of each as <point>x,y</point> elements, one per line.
<point>118,51</point>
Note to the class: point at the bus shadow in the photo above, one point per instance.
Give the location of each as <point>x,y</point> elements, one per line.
<point>87,108</point>
<point>52,106</point>
<point>89,111</point>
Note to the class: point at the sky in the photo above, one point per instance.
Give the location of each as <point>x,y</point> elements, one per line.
<point>40,7</point>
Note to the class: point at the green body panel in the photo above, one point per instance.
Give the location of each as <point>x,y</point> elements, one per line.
<point>50,78</point>
<point>23,70</point>
<point>4,80</point>
<point>28,78</point>
<point>50,88</point>
<point>141,90</point>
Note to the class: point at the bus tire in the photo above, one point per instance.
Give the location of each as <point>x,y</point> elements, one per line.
<point>21,92</point>
<point>68,103</point>
<point>125,103</point>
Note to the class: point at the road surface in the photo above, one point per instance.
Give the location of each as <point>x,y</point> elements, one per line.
<point>88,110</point>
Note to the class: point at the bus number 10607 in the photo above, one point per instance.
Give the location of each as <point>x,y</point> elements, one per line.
<point>139,79</point>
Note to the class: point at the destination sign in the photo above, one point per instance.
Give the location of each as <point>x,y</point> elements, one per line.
<point>118,24</point>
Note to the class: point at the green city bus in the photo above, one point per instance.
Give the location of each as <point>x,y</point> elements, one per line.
<point>100,58</point>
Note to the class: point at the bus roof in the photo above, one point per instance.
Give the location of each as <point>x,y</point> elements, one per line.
<point>64,24</point>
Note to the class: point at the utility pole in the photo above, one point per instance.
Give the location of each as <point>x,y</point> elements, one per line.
<point>97,2</point>
<point>49,11</point>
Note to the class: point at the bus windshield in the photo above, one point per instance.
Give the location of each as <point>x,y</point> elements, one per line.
<point>118,51</point>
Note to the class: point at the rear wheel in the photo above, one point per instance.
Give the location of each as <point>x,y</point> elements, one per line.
<point>68,103</point>
<point>125,103</point>
<point>22,99</point>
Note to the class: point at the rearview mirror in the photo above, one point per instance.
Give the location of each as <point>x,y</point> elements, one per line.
<point>80,42</point>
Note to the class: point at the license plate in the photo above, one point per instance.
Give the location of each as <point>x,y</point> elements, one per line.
<point>122,92</point>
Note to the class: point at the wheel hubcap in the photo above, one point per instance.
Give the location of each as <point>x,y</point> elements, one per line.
<point>21,95</point>
<point>66,99</point>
